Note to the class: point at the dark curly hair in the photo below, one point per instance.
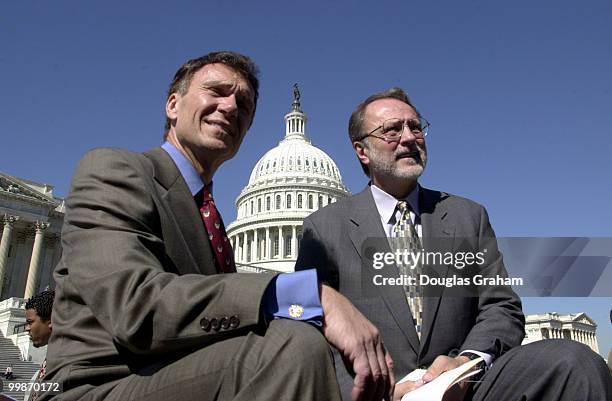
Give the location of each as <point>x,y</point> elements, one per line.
<point>42,303</point>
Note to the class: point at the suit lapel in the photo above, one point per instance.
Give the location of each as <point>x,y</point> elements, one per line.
<point>367,226</point>
<point>437,230</point>
<point>183,211</point>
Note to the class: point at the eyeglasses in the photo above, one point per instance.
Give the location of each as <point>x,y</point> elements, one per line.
<point>392,129</point>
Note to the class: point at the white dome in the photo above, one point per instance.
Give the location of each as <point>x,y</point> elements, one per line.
<point>288,183</point>
<point>295,158</point>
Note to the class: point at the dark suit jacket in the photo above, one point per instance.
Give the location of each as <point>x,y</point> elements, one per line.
<point>335,240</point>
<point>137,276</point>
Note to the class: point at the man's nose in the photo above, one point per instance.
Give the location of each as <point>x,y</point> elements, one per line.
<point>228,104</point>
<point>407,135</point>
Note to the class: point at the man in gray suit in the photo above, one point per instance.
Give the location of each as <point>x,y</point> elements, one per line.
<point>429,326</point>
<point>144,307</point>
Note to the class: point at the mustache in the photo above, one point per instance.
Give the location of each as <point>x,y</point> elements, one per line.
<point>414,151</point>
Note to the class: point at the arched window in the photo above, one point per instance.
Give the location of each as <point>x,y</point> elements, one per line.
<point>329,200</point>
<point>258,205</point>
<point>288,201</point>
<point>320,201</point>
<point>310,202</point>
<point>299,205</point>
<point>268,203</point>
<point>251,207</point>
<point>278,202</point>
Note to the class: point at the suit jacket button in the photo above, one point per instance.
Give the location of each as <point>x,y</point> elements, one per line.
<point>234,322</point>
<point>215,324</point>
<point>205,324</point>
<point>225,322</point>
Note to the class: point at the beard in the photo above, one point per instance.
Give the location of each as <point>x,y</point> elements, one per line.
<point>388,165</point>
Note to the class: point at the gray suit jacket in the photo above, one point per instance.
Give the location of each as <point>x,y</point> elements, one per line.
<point>137,283</point>
<point>335,241</point>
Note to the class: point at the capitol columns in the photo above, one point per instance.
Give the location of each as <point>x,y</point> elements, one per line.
<point>268,245</point>
<point>255,247</point>
<point>245,247</point>
<point>34,269</point>
<point>281,243</point>
<point>5,245</point>
<point>293,242</point>
<point>237,248</point>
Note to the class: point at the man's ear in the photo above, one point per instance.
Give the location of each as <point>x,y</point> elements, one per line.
<point>172,106</point>
<point>361,151</point>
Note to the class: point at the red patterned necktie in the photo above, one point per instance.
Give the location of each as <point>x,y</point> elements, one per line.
<point>222,248</point>
<point>39,378</point>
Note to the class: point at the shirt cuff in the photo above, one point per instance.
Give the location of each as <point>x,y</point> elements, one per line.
<point>294,296</point>
<point>488,358</point>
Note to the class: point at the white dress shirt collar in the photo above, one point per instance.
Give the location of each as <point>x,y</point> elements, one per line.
<point>386,203</point>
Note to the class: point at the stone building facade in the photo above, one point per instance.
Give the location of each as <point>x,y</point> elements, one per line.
<point>578,327</point>
<point>31,219</point>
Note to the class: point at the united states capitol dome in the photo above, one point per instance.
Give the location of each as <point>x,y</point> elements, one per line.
<point>295,159</point>
<point>288,183</point>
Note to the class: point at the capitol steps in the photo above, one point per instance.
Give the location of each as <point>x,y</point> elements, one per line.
<point>22,370</point>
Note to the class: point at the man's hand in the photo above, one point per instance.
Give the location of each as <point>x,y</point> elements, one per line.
<point>360,344</point>
<point>442,364</point>
<point>404,388</point>
<point>445,363</point>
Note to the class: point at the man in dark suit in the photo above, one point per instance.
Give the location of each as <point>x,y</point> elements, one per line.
<point>424,325</point>
<point>147,307</point>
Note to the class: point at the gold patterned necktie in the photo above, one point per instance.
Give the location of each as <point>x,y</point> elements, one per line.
<point>408,238</point>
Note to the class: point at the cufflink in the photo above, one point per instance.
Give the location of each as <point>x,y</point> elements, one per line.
<point>296,311</point>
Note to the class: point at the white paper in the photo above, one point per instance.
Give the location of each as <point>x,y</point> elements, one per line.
<point>435,389</point>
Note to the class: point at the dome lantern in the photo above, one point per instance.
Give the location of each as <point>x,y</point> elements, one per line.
<point>295,120</point>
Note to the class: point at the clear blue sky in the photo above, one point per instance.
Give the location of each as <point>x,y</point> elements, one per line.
<point>519,94</point>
